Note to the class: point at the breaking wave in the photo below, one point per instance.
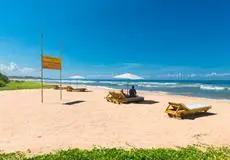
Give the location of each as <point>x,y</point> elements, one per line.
<point>213,88</point>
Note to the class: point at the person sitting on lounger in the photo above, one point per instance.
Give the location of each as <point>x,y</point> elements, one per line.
<point>132,92</point>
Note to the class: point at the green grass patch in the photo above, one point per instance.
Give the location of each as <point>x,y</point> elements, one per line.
<point>15,85</point>
<point>188,153</point>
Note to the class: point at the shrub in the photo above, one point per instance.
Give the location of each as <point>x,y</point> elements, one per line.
<point>4,78</point>
<point>2,83</point>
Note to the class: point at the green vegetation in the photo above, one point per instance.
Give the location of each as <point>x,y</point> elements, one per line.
<point>6,84</point>
<point>15,85</point>
<point>188,153</point>
<point>3,80</point>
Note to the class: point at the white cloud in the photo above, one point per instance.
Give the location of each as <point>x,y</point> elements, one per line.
<point>27,70</point>
<point>169,75</point>
<point>192,75</point>
<point>13,68</point>
<point>178,75</point>
<point>214,74</point>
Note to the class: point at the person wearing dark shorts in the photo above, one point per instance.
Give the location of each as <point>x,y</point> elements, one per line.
<point>132,92</point>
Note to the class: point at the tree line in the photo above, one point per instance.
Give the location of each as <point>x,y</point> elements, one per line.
<point>3,80</point>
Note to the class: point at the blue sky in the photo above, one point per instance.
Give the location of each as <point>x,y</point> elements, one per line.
<point>153,38</point>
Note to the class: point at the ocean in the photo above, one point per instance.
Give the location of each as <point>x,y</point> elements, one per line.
<point>216,89</point>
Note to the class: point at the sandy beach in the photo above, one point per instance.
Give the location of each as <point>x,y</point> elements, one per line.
<point>25,123</point>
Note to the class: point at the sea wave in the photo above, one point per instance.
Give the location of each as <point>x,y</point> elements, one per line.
<point>105,82</point>
<point>170,86</point>
<point>185,86</point>
<point>112,82</point>
<point>148,86</point>
<point>86,81</point>
<point>158,83</point>
<point>142,84</point>
<point>103,87</point>
<point>214,88</point>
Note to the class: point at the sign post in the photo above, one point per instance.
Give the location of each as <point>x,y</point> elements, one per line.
<point>53,63</point>
<point>61,71</point>
<point>42,68</point>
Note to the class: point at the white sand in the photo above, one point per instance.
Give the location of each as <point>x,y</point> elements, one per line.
<point>25,123</point>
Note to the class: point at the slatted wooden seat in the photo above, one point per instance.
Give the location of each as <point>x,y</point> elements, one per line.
<point>118,98</point>
<point>58,87</point>
<point>71,89</point>
<point>179,110</point>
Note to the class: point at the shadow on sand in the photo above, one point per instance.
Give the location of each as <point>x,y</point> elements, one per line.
<point>88,91</point>
<point>73,102</point>
<point>81,91</point>
<point>147,102</point>
<point>199,115</point>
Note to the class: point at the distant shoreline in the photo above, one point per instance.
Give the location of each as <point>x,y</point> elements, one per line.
<point>204,89</point>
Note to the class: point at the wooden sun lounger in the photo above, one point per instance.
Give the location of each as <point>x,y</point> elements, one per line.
<point>179,110</point>
<point>118,98</point>
<point>58,87</point>
<point>71,89</point>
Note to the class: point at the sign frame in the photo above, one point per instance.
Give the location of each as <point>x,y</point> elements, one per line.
<point>52,63</point>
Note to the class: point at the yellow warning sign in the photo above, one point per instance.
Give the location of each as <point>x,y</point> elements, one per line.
<point>49,62</point>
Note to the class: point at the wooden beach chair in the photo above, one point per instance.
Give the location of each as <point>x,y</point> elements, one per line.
<point>118,98</point>
<point>71,89</point>
<point>179,110</point>
<point>58,87</point>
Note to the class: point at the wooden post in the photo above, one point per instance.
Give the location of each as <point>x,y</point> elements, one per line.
<point>61,71</point>
<point>41,68</point>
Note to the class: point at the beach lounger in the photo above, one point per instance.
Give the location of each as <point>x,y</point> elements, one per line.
<point>58,87</point>
<point>71,89</point>
<point>118,98</point>
<point>179,110</point>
